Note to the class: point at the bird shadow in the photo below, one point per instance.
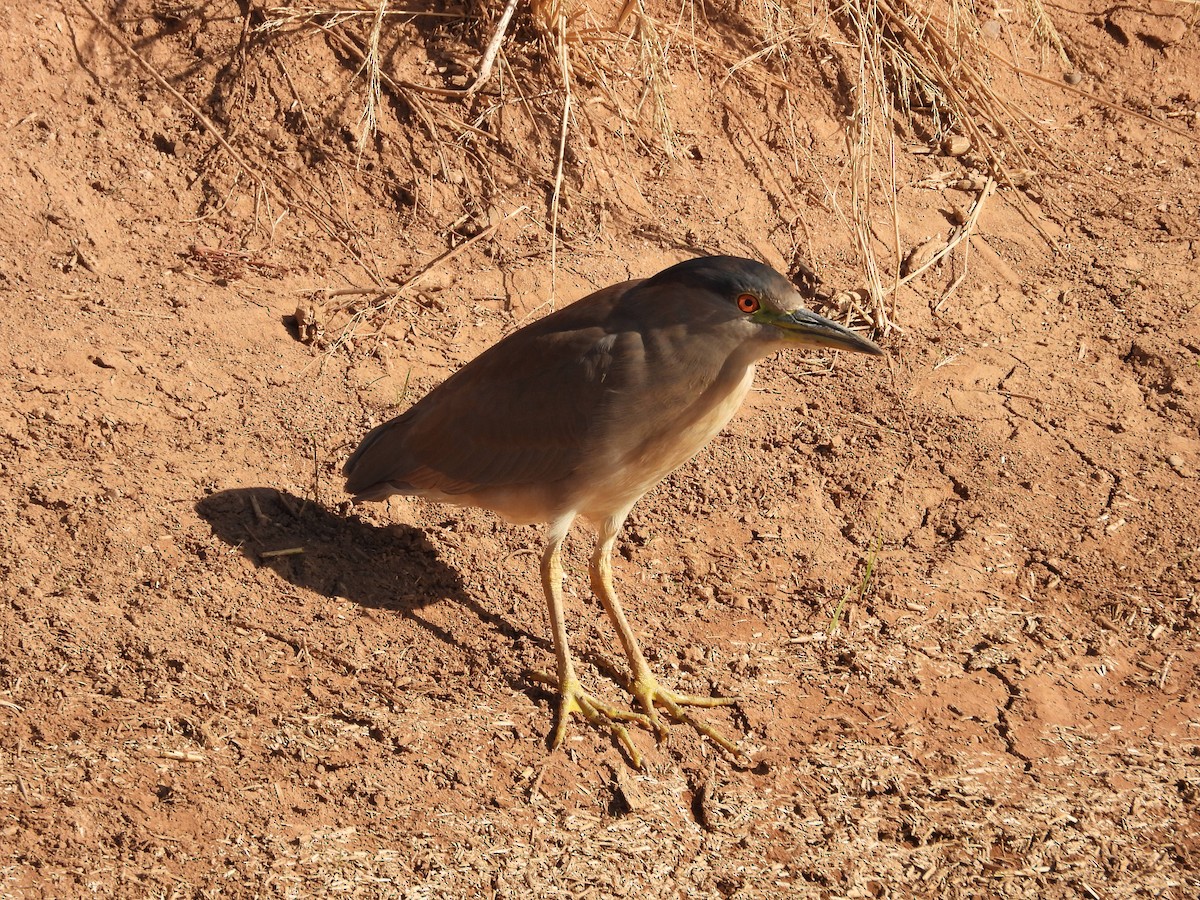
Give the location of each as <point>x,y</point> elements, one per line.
<point>393,568</point>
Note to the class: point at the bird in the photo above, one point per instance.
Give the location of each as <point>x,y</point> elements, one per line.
<point>579,414</point>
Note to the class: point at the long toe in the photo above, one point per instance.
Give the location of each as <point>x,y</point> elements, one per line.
<point>651,695</point>
<point>574,699</point>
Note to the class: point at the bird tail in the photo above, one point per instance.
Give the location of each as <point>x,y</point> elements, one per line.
<point>368,469</point>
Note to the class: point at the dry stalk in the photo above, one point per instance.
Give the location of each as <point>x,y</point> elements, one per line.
<point>750,67</point>
<point>486,62</point>
<point>595,49</point>
<point>907,54</point>
<point>564,64</point>
<point>964,233</point>
<point>368,122</point>
<point>264,183</point>
<point>388,298</point>
<point>287,551</point>
<point>280,18</point>
<point>652,61</point>
<point>398,90</point>
<point>871,96</point>
<point>1044,30</point>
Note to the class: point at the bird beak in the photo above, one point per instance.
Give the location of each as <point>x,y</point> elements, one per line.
<point>805,328</point>
<point>808,329</point>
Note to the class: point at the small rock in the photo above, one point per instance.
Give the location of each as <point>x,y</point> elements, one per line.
<point>629,790</point>
<point>697,565</point>
<point>309,326</point>
<point>1173,224</point>
<point>920,255</point>
<point>436,280</point>
<point>971,184</point>
<point>955,145</point>
<point>110,361</point>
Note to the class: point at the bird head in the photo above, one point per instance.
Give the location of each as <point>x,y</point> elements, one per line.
<point>760,303</point>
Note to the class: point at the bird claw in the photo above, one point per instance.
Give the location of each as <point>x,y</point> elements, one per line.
<point>650,695</point>
<point>574,699</point>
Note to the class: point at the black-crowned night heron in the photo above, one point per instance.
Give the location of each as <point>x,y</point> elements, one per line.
<point>581,413</point>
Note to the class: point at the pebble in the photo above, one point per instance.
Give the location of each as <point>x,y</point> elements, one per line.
<point>110,360</point>
<point>922,254</point>
<point>955,145</point>
<point>971,184</point>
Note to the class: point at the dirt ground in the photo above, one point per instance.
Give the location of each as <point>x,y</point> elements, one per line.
<point>1009,710</point>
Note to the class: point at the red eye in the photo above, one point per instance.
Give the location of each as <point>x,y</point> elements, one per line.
<point>747,303</point>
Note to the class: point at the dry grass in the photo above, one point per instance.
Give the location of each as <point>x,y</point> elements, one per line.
<point>353,315</point>
<point>904,67</point>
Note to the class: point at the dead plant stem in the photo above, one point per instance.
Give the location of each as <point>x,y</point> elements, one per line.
<point>564,63</point>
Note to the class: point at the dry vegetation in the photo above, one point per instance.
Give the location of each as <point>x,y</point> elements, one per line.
<point>515,95</point>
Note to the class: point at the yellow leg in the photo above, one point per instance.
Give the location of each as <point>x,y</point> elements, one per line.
<point>572,697</point>
<point>645,687</point>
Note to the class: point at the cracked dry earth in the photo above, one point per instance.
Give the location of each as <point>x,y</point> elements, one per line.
<point>1009,710</point>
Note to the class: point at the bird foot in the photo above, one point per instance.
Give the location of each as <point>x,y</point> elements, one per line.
<point>650,696</point>
<point>574,699</point>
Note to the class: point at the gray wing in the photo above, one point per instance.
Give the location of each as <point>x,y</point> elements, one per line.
<point>520,413</point>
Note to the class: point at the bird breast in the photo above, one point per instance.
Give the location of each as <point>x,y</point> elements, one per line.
<point>666,442</point>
